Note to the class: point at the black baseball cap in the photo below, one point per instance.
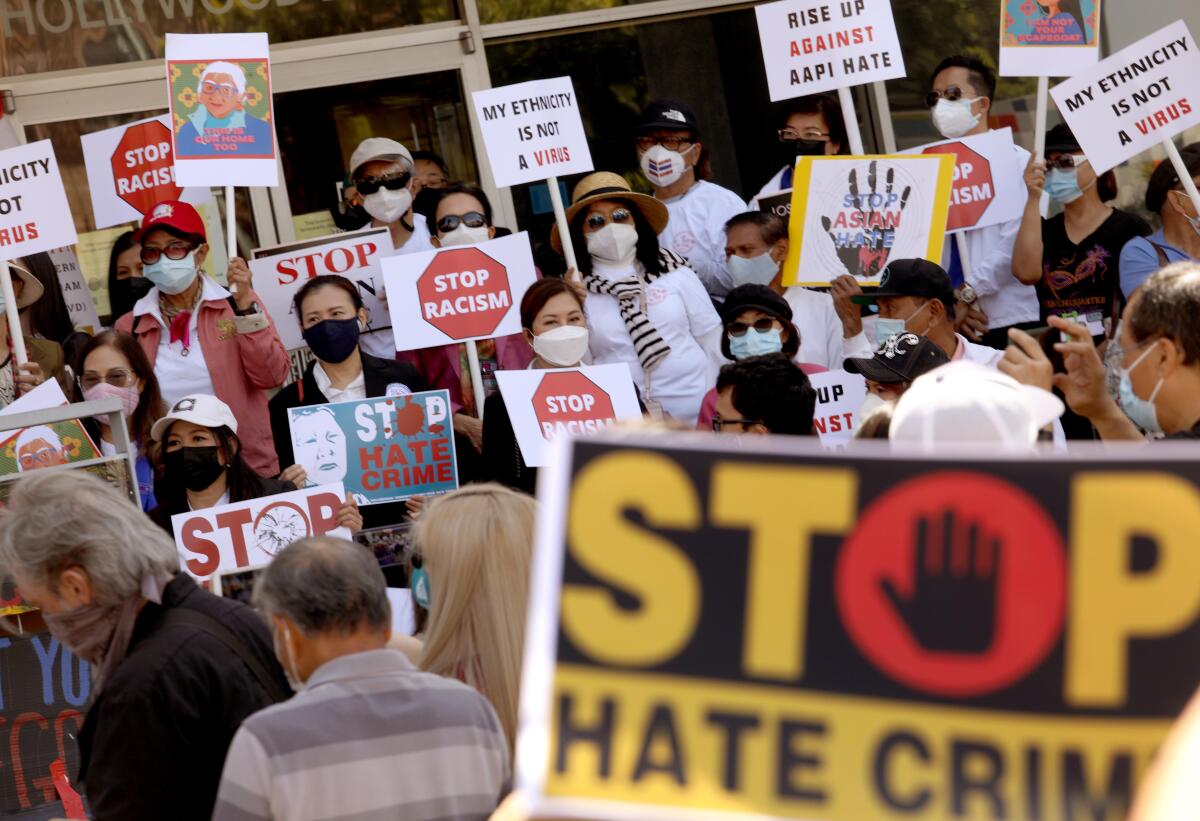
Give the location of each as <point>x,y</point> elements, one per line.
<point>911,277</point>
<point>758,297</point>
<point>1061,139</point>
<point>669,114</point>
<point>901,358</point>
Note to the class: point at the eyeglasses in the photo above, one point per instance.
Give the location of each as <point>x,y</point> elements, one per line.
<point>176,250</point>
<point>223,90</point>
<point>392,182</point>
<point>718,423</point>
<point>791,135</point>
<point>117,377</point>
<point>44,457</point>
<point>762,325</point>
<point>669,143</point>
<point>951,94</point>
<point>598,221</point>
<point>472,219</point>
<point>433,180</point>
<point>1066,161</point>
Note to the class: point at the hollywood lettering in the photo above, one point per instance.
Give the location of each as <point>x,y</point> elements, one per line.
<point>569,402</point>
<point>407,462</point>
<point>464,293</point>
<point>24,231</point>
<point>832,41</point>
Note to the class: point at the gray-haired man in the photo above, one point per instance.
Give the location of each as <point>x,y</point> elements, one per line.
<point>367,735</point>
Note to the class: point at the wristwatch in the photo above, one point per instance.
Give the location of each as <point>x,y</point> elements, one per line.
<point>966,294</point>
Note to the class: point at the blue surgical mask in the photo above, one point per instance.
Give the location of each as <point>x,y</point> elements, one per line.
<point>756,343</point>
<point>1062,184</point>
<point>1140,411</point>
<point>885,326</point>
<point>759,270</point>
<point>172,276</point>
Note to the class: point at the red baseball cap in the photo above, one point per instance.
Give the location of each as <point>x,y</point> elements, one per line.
<point>179,218</point>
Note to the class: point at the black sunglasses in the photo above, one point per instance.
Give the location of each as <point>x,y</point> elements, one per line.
<point>472,219</point>
<point>596,221</point>
<point>393,182</point>
<point>952,93</point>
<point>762,325</point>
<point>176,251</point>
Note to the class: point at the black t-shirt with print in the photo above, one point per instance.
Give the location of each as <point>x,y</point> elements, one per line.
<point>1084,277</point>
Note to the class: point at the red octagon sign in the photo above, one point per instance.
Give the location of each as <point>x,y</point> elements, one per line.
<point>973,189</point>
<point>142,166</point>
<point>567,401</point>
<point>464,293</point>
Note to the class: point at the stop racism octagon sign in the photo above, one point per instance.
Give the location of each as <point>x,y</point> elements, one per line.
<point>973,190</point>
<point>567,401</point>
<point>142,166</point>
<point>464,293</point>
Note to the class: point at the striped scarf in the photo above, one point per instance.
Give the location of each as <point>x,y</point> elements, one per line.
<point>630,292</point>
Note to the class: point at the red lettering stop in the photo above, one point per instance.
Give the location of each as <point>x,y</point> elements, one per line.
<point>142,165</point>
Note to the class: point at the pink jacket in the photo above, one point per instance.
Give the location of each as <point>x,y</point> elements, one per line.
<point>242,367</point>
<point>442,366</point>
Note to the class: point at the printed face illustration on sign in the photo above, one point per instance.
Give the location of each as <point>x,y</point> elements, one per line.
<point>319,445</point>
<point>218,114</point>
<point>464,293</point>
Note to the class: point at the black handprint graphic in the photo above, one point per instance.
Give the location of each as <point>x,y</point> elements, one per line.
<point>953,605</point>
<point>863,240</point>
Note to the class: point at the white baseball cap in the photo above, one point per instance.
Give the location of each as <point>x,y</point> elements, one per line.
<point>966,402</point>
<point>378,148</point>
<point>199,409</point>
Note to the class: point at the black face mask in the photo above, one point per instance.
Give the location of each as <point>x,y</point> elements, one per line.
<point>195,467</point>
<point>350,219</point>
<point>807,148</point>
<point>332,340</point>
<point>125,292</point>
<point>425,203</point>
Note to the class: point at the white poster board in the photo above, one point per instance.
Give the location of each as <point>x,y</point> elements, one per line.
<point>820,45</point>
<point>1145,93</point>
<point>75,290</point>
<point>988,186</point>
<point>460,293</point>
<point>543,404</point>
<point>281,271</point>
<point>132,167</point>
<point>1035,44</point>
<point>839,396</point>
<point>219,93</point>
<point>251,534</point>
<point>34,214</point>
<point>532,131</point>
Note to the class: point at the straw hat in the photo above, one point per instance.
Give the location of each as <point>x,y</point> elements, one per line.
<point>605,185</point>
<point>31,290</point>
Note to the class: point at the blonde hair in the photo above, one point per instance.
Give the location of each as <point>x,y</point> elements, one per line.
<point>476,545</point>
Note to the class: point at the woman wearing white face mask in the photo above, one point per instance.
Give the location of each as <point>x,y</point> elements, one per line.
<point>201,339</point>
<point>1178,240</point>
<point>647,307</point>
<point>1074,257</point>
<point>673,159</point>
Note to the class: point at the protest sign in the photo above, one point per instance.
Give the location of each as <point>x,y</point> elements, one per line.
<point>34,215</point>
<point>461,293</point>
<point>532,131</point>
<point>839,396</point>
<point>850,215</point>
<point>775,631</point>
<point>988,184</point>
<point>1052,39</point>
<point>221,112</point>
<point>778,204</point>
<point>56,443</point>
<point>382,449</point>
<point>281,271</point>
<point>75,291</point>
<point>249,534</point>
<point>542,404</point>
<point>820,45</point>
<point>1144,94</point>
<point>130,168</point>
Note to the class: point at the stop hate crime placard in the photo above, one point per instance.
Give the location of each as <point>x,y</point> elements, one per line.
<point>34,215</point>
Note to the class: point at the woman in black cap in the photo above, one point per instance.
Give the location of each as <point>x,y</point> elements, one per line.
<point>1179,238</point>
<point>1073,258</point>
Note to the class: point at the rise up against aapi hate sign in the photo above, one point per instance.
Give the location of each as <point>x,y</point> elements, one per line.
<point>457,294</point>
<point>1056,39</point>
<point>1145,93</point>
<point>988,187</point>
<point>34,215</point>
<point>532,131</point>
<point>820,45</point>
<point>775,631</point>
<point>850,215</point>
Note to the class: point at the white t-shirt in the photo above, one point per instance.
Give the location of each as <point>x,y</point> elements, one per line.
<point>357,389</point>
<point>696,232</point>
<point>820,327</point>
<point>181,371</point>
<point>382,343</point>
<point>678,306</point>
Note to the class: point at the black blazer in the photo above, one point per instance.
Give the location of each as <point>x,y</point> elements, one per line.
<point>502,460</point>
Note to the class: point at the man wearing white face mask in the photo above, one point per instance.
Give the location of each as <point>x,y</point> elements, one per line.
<point>990,298</point>
<point>382,172</point>
<point>672,158</point>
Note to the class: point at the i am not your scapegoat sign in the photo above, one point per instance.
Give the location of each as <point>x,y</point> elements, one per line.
<point>775,631</point>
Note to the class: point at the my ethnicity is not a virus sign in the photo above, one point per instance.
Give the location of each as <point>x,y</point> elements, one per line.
<point>532,131</point>
<point>777,631</point>
<point>850,215</point>
<point>381,449</point>
<point>34,214</point>
<point>820,45</point>
<point>1145,93</point>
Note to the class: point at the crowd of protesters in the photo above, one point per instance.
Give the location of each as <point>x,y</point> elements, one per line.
<point>258,714</point>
